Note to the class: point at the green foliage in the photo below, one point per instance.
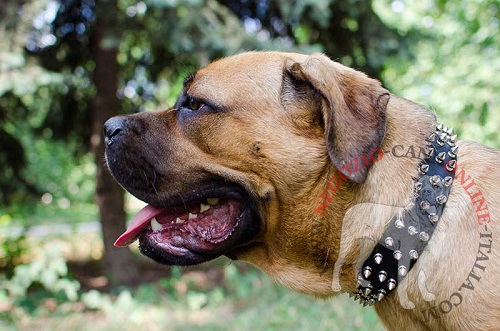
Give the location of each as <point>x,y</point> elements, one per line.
<point>246,299</point>
<point>42,278</point>
<point>12,252</point>
<point>453,70</point>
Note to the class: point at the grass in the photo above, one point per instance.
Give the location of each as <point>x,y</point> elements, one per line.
<point>245,300</point>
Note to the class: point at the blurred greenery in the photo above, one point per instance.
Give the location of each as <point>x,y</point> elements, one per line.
<point>443,54</point>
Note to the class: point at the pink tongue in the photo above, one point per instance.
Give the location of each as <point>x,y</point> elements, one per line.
<point>137,225</point>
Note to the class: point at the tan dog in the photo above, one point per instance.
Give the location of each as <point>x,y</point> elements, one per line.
<point>255,161</point>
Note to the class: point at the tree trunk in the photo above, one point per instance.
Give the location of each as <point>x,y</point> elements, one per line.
<point>118,262</point>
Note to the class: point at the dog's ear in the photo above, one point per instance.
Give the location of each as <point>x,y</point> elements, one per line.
<point>353,110</point>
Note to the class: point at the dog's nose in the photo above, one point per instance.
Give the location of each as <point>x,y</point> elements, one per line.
<point>113,128</point>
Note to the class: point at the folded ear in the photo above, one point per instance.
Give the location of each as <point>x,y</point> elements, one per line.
<point>353,110</point>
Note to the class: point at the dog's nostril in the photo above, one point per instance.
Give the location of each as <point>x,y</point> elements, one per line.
<point>113,127</point>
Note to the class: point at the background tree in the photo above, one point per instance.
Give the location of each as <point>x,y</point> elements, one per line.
<point>104,43</point>
<point>67,65</point>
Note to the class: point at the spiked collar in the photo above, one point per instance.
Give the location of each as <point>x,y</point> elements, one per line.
<point>407,234</point>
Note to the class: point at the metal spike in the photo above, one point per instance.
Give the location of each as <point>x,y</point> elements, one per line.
<point>440,199</point>
<point>450,166</point>
<point>367,271</point>
<point>391,285</point>
<point>365,303</point>
<point>418,186</point>
<point>424,168</point>
<point>399,223</point>
<point>448,180</point>
<point>378,258</point>
<point>397,255</point>
<point>445,129</point>
<point>371,302</point>
<point>389,241</point>
<point>453,138</point>
<point>429,153</point>
<point>382,275</point>
<point>412,230</point>
<point>367,291</point>
<point>424,236</point>
<point>435,180</point>
<point>444,137</point>
<point>432,137</point>
<point>381,294</point>
<point>439,127</point>
<point>413,254</point>
<point>453,151</point>
<point>450,131</point>
<point>433,217</point>
<point>356,297</point>
<point>402,270</point>
<point>351,295</point>
<point>425,205</point>
<point>440,157</point>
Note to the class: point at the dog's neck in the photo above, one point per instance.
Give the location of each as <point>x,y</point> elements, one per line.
<point>364,211</point>
<point>407,234</point>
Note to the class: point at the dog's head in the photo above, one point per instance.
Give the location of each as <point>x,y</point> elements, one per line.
<point>237,165</point>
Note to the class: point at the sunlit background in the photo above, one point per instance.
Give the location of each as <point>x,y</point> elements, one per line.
<point>67,65</point>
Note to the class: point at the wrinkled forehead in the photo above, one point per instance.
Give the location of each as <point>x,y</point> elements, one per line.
<point>240,78</point>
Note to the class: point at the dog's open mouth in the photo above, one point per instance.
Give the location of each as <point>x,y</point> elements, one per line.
<point>189,233</point>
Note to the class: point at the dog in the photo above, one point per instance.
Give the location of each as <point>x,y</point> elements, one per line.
<point>297,164</point>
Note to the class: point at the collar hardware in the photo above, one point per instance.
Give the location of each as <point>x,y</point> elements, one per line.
<point>407,235</point>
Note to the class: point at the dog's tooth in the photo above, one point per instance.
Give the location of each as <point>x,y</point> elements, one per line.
<point>204,207</point>
<point>212,201</point>
<point>192,216</point>
<point>179,221</point>
<point>155,225</point>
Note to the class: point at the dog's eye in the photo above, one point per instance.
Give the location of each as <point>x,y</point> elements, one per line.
<point>193,104</point>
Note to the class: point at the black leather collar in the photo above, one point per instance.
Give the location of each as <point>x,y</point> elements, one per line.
<point>407,235</point>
